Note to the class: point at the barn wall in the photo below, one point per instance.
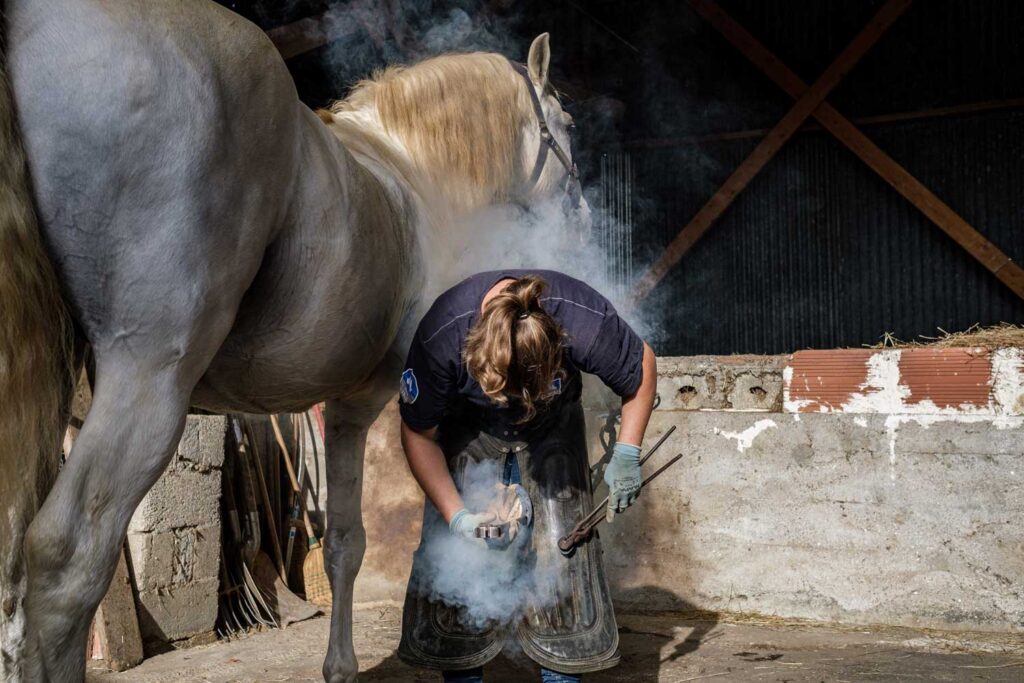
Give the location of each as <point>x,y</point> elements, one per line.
<point>881,509</point>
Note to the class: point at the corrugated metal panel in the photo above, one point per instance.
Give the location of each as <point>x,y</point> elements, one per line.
<point>820,252</point>
<point>614,229</point>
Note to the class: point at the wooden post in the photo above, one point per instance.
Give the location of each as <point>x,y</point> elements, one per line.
<point>116,624</point>
<point>947,220</point>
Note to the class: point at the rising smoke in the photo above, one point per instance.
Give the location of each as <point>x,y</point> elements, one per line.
<point>487,585</point>
<point>365,35</point>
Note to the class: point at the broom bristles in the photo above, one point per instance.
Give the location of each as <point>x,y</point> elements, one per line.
<point>318,588</point>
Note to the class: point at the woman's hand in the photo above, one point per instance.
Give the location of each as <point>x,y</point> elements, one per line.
<point>623,472</point>
<point>623,478</point>
<point>464,523</point>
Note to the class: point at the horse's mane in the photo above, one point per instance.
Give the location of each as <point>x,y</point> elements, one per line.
<point>459,117</point>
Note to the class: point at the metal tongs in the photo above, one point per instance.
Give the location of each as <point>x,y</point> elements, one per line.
<point>581,532</point>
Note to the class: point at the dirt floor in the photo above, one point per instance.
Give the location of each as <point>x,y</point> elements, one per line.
<point>670,649</point>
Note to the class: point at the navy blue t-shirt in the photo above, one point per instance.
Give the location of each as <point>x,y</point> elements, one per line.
<point>598,342</point>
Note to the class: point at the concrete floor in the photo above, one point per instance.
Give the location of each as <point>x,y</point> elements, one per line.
<point>669,649</point>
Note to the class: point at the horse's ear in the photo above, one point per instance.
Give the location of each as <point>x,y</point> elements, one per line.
<point>540,57</point>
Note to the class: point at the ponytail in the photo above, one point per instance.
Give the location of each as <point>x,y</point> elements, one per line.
<point>515,350</point>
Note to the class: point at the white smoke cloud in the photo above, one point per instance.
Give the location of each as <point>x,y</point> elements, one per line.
<point>487,585</point>
<point>541,237</point>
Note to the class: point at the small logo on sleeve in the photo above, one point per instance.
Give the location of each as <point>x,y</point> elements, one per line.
<point>410,388</point>
<point>556,386</point>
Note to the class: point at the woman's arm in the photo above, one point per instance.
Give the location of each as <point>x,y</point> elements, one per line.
<point>623,474</point>
<point>637,408</point>
<point>426,460</point>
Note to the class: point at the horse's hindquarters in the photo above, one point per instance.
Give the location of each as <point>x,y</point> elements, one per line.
<point>324,311</point>
<point>139,119</point>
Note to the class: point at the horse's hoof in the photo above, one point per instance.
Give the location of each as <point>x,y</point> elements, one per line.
<point>343,672</point>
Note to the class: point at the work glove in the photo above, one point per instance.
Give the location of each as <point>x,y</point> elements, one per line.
<point>464,523</point>
<point>623,478</point>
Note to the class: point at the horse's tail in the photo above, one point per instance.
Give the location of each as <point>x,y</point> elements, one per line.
<point>35,369</point>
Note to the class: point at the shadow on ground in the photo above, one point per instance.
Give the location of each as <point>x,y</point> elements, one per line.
<point>644,651</point>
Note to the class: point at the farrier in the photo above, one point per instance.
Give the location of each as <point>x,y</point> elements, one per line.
<point>494,375</point>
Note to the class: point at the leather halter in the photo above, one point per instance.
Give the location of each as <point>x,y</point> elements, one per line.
<point>573,191</point>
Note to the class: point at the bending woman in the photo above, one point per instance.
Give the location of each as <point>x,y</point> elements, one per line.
<point>493,377</point>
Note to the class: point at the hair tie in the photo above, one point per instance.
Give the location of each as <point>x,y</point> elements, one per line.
<point>524,316</point>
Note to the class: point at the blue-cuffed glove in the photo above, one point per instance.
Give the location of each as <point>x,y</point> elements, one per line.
<point>464,523</point>
<point>623,478</point>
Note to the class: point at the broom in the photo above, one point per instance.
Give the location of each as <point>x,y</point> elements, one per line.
<point>318,587</point>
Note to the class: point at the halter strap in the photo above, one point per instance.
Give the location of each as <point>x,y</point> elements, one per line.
<point>547,140</point>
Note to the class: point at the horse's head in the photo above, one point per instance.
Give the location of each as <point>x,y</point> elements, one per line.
<point>479,129</point>
<point>546,145</point>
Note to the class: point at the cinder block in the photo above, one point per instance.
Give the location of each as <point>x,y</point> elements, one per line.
<point>175,613</point>
<point>188,493</point>
<point>180,499</point>
<point>721,383</point>
<point>202,443</point>
<point>172,558</point>
<point>151,554</point>
<point>174,538</point>
<point>754,390</point>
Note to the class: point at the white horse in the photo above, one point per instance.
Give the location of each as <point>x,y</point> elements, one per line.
<point>217,244</point>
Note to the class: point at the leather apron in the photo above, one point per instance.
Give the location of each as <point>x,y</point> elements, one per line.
<point>564,620</point>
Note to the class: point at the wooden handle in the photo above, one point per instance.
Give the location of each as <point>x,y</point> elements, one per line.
<point>291,475</point>
<point>265,494</point>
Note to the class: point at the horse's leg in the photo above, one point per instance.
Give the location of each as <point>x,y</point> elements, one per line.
<point>135,421</point>
<point>140,401</point>
<point>347,425</point>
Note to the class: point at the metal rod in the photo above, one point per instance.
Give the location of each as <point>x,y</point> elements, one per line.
<point>296,509</point>
<point>265,494</point>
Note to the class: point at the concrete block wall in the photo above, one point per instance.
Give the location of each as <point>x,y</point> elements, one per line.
<point>854,486</point>
<point>721,383</point>
<point>174,540</point>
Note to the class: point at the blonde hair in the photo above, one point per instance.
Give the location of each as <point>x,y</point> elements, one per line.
<point>461,117</point>
<point>514,351</point>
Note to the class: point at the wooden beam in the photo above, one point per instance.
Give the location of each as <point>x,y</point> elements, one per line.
<point>301,36</point>
<point>770,145</point>
<point>876,120</point>
<point>310,33</point>
<point>947,220</point>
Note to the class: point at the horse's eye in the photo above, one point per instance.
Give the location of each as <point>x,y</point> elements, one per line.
<point>571,127</point>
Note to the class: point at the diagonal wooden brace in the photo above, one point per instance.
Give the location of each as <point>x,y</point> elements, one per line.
<point>808,101</point>
<point>988,254</point>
